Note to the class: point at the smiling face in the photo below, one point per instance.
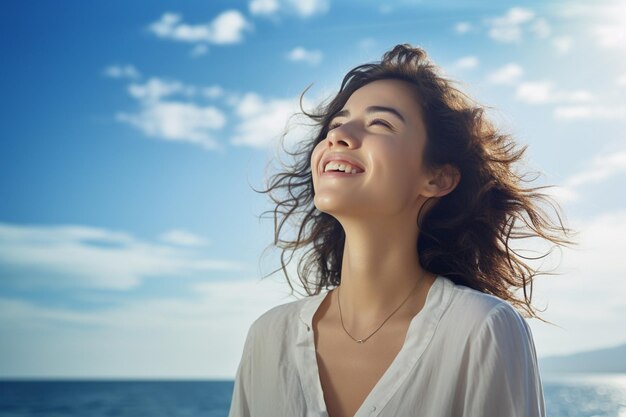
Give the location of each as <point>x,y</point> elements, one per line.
<point>381,129</point>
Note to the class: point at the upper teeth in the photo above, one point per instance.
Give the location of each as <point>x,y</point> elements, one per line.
<point>341,166</point>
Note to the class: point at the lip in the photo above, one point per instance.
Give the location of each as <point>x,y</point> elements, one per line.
<point>339,157</point>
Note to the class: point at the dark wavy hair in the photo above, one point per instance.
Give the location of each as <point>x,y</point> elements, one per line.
<point>463,235</point>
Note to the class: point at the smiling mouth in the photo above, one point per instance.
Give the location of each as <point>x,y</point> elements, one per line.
<point>349,168</point>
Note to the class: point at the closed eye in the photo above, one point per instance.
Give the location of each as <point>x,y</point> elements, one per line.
<point>375,121</point>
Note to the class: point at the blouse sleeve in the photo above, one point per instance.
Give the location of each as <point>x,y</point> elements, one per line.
<point>502,375</point>
<point>240,402</point>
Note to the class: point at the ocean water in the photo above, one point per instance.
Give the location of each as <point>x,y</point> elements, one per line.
<point>585,395</point>
<point>115,398</point>
<point>582,395</point>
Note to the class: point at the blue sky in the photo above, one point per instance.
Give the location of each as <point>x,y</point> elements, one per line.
<point>130,238</point>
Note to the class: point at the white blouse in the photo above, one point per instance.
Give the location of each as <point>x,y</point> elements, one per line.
<point>466,354</point>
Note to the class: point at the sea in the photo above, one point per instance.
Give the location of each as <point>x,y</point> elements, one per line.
<point>566,395</point>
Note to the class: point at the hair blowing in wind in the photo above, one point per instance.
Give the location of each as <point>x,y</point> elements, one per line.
<point>464,235</point>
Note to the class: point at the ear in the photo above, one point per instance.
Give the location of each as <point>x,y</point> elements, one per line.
<point>442,181</point>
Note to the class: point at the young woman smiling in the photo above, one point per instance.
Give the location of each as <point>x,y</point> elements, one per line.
<point>407,199</point>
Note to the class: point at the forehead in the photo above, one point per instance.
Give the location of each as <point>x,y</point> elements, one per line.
<point>398,94</point>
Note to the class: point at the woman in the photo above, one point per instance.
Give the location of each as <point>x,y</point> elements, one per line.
<point>412,235</point>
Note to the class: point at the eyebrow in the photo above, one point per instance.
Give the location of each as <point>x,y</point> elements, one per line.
<point>374,109</point>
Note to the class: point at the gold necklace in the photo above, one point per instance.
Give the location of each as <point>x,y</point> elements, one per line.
<point>365,340</point>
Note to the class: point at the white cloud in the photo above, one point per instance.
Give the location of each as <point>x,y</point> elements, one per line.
<point>213,91</point>
<point>596,112</point>
<point>535,92</point>
<point>299,54</point>
<point>508,74</point>
<point>540,92</point>
<point>467,62</point>
<point>119,334</point>
<point>621,80</point>
<point>605,21</point>
<point>540,28</point>
<point>156,88</point>
<point>140,338</point>
<point>563,44</point>
<point>71,256</point>
<point>199,50</point>
<point>306,8</point>
<point>173,120</point>
<point>263,7</point>
<point>182,238</point>
<point>263,121</point>
<point>300,8</point>
<point>586,300</point>
<point>610,36</point>
<point>178,121</point>
<point>227,28</point>
<point>599,169</point>
<point>510,28</point>
<point>463,27</point>
<point>385,8</point>
<point>122,71</point>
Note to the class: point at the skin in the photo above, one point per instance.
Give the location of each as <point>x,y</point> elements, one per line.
<point>378,208</point>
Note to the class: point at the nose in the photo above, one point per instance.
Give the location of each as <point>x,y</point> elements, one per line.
<point>341,136</point>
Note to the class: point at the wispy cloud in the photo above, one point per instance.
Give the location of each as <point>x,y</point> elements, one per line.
<point>300,54</point>
<point>177,121</point>
<point>507,74</point>
<point>213,91</point>
<point>541,92</point>
<point>183,238</point>
<point>107,335</point>
<point>263,7</point>
<point>169,110</point>
<point>385,8</point>
<point>157,88</point>
<point>578,300</point>
<point>171,120</point>
<point>611,36</point>
<point>262,121</point>
<point>599,169</point>
<point>148,337</point>
<point>228,27</point>
<point>463,27</point>
<point>511,27</point>
<point>300,8</point>
<point>563,44</point>
<point>89,257</point>
<point>466,62</point>
<point>199,50</point>
<point>604,22</point>
<point>122,71</point>
<point>592,112</point>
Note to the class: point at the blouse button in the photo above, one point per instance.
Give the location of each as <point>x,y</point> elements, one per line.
<point>373,408</point>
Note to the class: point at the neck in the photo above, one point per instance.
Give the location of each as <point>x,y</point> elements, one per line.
<point>379,270</point>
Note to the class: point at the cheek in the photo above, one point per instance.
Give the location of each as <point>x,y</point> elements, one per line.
<point>315,156</point>
<point>400,167</point>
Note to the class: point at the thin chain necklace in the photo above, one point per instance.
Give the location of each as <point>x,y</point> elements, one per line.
<point>365,340</point>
